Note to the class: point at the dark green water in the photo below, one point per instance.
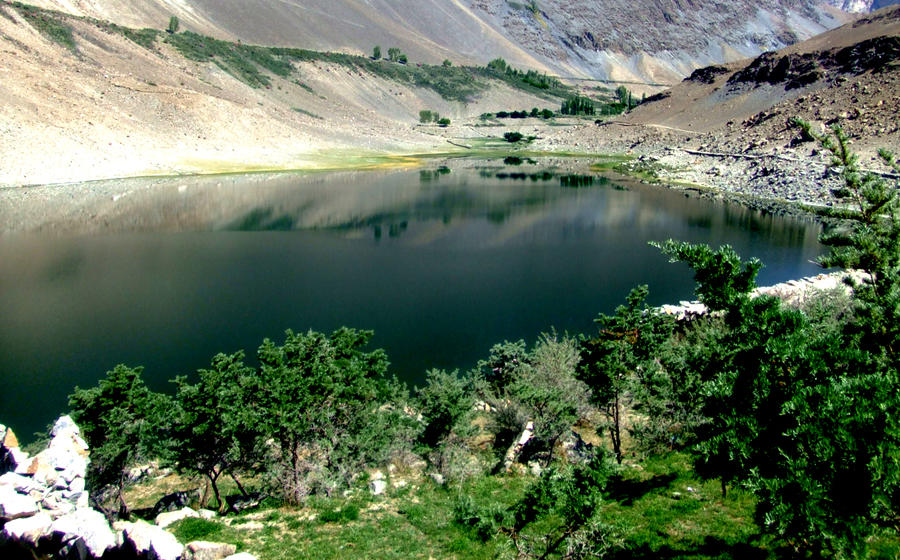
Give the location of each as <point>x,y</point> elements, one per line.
<point>440,265</point>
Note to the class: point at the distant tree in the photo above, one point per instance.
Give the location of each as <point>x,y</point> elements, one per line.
<point>376,52</point>
<point>546,114</point>
<point>498,65</point>
<point>577,105</point>
<point>513,137</point>
<point>447,63</point>
<point>394,54</point>
<point>443,122</point>
<point>402,59</point>
<point>174,25</point>
<point>426,116</point>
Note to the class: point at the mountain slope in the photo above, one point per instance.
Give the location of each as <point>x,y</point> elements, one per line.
<point>109,106</point>
<point>659,41</point>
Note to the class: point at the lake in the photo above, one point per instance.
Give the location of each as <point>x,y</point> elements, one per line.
<point>440,262</point>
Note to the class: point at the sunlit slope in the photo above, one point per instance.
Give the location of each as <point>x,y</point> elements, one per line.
<point>657,42</point>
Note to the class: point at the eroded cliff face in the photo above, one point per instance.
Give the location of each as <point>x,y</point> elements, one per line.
<point>655,41</point>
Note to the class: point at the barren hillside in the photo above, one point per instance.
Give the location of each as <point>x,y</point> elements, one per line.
<point>659,42</point>
<point>107,106</point>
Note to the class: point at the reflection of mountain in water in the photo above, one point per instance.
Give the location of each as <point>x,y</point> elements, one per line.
<point>489,203</point>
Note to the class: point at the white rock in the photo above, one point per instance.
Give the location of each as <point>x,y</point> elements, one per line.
<point>89,526</point>
<point>64,424</point>
<point>203,550</point>
<point>77,485</point>
<point>151,541</point>
<point>207,513</point>
<point>241,556</point>
<point>378,486</point>
<point>28,529</point>
<point>19,483</point>
<point>167,518</point>
<point>14,505</point>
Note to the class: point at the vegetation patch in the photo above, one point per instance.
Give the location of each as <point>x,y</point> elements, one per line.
<point>50,24</point>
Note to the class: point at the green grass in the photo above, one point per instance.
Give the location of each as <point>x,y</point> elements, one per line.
<point>50,24</point>
<point>241,61</point>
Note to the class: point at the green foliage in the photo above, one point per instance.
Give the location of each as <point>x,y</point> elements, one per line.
<point>797,412</point>
<point>395,54</point>
<point>197,529</point>
<point>50,24</point>
<point>376,52</point>
<point>174,25</point>
<point>565,502</point>
<point>577,105</point>
<point>445,402</point>
<point>242,61</point>
<point>622,358</point>
<point>443,122</point>
<point>323,401</point>
<point>211,432</point>
<point>349,512</point>
<point>513,137</point>
<point>625,98</point>
<point>870,242</point>
<point>447,63</point>
<point>497,65</point>
<point>537,386</point>
<point>427,116</point>
<point>119,419</point>
<point>724,281</point>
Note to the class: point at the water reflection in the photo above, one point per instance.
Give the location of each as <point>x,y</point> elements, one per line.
<point>441,263</point>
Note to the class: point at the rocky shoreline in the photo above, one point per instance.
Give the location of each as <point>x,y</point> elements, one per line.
<point>44,510</point>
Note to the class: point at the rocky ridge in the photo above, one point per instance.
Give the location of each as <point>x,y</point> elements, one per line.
<point>44,509</point>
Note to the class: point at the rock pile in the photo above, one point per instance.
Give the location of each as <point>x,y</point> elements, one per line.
<point>792,293</point>
<point>44,509</point>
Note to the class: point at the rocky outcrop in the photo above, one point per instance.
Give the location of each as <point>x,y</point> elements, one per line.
<point>43,501</point>
<point>44,510</point>
<point>799,70</point>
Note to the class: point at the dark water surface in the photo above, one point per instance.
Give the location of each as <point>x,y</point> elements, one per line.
<point>167,273</point>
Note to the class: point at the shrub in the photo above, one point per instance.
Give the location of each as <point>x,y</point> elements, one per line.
<point>376,52</point>
<point>444,122</point>
<point>513,137</point>
<point>174,24</point>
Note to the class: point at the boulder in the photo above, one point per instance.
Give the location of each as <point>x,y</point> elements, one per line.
<point>88,527</point>
<point>19,483</point>
<point>150,541</point>
<point>203,550</point>
<point>7,438</point>
<point>167,518</point>
<point>377,487</point>
<point>28,529</point>
<point>10,454</point>
<point>14,505</point>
